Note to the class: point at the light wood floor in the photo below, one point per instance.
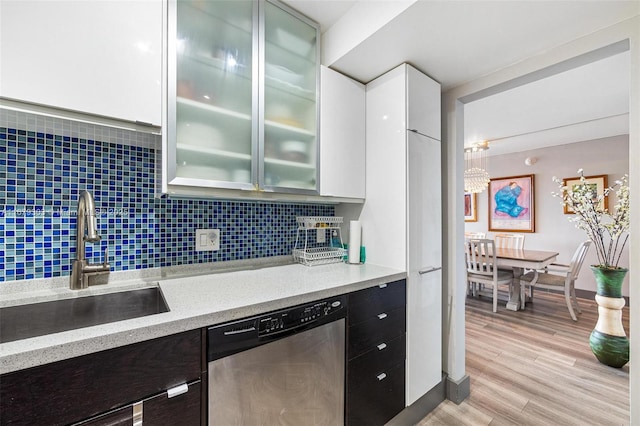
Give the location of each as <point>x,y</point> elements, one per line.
<point>535,367</point>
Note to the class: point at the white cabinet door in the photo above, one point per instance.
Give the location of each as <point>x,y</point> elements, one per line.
<point>424,333</point>
<point>100,57</point>
<point>383,215</point>
<point>423,98</point>
<point>424,283</point>
<point>342,135</point>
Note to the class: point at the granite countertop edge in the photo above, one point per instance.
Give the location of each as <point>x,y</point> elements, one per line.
<point>199,301</point>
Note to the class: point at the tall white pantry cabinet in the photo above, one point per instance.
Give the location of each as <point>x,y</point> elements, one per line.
<point>402,214</point>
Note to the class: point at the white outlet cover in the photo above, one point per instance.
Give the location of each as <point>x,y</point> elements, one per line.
<point>207,239</point>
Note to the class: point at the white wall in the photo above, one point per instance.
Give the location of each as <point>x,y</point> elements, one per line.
<point>608,156</point>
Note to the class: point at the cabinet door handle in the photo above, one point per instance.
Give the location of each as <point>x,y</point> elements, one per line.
<point>382,316</point>
<point>137,414</point>
<point>382,376</point>
<point>429,269</point>
<point>382,346</point>
<point>382,285</point>
<point>178,390</point>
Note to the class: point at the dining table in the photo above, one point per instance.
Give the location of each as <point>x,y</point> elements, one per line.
<point>519,260</point>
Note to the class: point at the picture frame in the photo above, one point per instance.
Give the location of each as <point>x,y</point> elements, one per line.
<point>511,203</point>
<point>599,180</point>
<point>470,207</point>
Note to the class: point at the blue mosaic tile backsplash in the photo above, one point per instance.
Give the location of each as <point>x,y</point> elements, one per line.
<point>41,175</point>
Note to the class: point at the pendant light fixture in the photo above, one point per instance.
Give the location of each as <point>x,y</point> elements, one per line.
<point>476,177</point>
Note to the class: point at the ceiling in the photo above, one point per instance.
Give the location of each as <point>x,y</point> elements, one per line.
<point>458,41</point>
<point>584,103</point>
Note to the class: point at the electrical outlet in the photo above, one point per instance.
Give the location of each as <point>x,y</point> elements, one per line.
<point>207,239</point>
<point>321,236</point>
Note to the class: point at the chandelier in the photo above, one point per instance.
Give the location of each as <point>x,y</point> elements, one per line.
<point>476,177</point>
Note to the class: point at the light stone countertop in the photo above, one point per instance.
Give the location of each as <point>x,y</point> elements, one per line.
<point>194,302</point>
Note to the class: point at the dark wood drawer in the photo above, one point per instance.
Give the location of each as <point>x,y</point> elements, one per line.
<point>157,410</point>
<point>383,327</point>
<point>74,389</point>
<point>384,356</point>
<point>366,303</point>
<point>183,410</point>
<point>376,401</point>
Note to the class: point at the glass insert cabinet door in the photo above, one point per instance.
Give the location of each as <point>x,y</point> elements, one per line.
<point>289,90</point>
<point>214,104</point>
<point>242,96</point>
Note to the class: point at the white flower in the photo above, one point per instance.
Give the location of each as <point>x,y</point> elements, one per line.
<point>608,231</point>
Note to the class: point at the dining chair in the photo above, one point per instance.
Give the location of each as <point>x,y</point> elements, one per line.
<point>563,278</point>
<point>509,241</point>
<point>475,235</point>
<point>482,269</point>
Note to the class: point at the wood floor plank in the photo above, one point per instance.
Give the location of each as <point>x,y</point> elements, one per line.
<point>534,367</point>
<point>449,413</point>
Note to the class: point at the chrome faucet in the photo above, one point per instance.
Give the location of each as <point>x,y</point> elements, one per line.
<point>86,221</point>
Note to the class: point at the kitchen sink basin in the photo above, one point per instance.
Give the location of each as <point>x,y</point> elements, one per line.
<point>38,319</point>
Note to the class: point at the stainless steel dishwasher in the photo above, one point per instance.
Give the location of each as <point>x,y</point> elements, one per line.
<point>281,368</point>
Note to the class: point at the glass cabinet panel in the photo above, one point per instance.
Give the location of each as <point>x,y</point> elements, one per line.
<point>214,91</point>
<point>242,96</point>
<point>290,107</point>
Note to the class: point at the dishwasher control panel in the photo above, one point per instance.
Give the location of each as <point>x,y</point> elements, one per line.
<point>232,337</point>
<point>299,316</point>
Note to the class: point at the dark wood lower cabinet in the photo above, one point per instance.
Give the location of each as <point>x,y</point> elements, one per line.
<point>378,399</point>
<point>79,388</point>
<point>376,353</point>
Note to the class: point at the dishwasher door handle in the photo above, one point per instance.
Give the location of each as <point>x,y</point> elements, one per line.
<point>244,330</point>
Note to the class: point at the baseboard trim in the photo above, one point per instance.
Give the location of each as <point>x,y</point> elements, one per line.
<point>423,406</point>
<point>458,391</point>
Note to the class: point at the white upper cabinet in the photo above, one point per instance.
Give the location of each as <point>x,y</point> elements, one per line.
<point>342,136</point>
<point>423,104</point>
<point>99,57</point>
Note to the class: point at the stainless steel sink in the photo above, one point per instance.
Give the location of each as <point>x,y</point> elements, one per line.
<point>38,319</point>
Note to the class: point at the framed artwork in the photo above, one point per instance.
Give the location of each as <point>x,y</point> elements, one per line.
<point>511,204</point>
<point>598,183</point>
<point>470,207</point>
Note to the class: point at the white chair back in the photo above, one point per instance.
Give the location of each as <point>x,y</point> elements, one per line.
<point>510,241</point>
<point>578,259</point>
<point>475,235</point>
<point>481,257</point>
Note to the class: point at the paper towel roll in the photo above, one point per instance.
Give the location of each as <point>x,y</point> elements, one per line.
<point>355,232</point>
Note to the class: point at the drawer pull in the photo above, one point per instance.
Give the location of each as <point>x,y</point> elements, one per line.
<point>382,376</point>
<point>382,316</point>
<point>382,285</point>
<point>382,346</point>
<point>178,390</point>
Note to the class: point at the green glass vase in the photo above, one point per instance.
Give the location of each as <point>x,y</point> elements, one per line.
<point>608,341</point>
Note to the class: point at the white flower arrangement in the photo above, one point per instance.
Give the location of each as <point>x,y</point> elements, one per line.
<point>609,232</point>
